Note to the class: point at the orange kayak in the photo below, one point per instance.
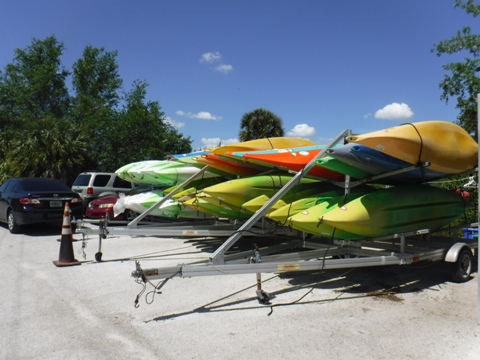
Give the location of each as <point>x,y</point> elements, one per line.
<point>225,167</point>
<point>295,161</point>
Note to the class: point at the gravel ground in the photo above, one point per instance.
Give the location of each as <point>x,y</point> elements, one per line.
<point>88,312</point>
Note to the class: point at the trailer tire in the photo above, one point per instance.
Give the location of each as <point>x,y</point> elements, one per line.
<point>461,269</point>
<point>98,256</point>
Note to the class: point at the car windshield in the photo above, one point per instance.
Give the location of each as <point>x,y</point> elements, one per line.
<point>43,185</point>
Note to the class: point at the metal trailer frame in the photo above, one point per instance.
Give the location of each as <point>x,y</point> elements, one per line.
<point>195,228</point>
<point>213,227</point>
<point>396,249</point>
<point>323,254</point>
<point>200,229</point>
<point>169,227</point>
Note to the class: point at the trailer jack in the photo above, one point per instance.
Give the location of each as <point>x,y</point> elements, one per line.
<point>262,296</point>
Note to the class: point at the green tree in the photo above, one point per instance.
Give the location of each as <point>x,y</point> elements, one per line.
<point>33,86</point>
<point>53,148</point>
<point>6,136</point>
<point>33,95</point>
<point>260,123</point>
<point>68,134</point>
<point>97,83</point>
<point>462,82</point>
<point>140,133</point>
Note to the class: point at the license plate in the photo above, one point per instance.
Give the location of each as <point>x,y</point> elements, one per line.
<point>55,204</point>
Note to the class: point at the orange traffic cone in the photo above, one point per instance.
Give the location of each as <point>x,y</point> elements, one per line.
<point>66,257</point>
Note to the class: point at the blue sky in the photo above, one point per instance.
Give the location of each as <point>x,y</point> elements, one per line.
<point>322,66</point>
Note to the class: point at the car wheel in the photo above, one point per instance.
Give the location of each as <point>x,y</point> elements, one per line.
<point>129,215</point>
<point>13,227</point>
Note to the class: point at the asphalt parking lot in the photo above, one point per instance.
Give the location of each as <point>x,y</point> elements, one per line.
<point>88,311</point>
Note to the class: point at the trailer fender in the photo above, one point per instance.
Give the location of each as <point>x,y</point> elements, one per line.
<point>454,251</point>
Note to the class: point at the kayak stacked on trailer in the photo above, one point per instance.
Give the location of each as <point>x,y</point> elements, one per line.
<point>363,200</point>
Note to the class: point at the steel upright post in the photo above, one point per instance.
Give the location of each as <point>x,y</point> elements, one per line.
<point>478,210</point>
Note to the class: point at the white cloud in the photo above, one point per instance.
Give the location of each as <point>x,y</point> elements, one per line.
<point>210,57</point>
<point>175,124</point>
<point>224,68</point>
<point>205,115</point>
<point>301,130</point>
<point>209,143</point>
<point>394,111</point>
<point>213,59</point>
<point>202,115</point>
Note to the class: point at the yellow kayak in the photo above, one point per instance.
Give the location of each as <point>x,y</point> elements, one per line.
<point>208,205</point>
<point>446,146</point>
<point>238,191</point>
<point>301,191</point>
<point>263,144</point>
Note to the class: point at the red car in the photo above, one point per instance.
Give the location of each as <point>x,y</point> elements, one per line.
<point>98,208</point>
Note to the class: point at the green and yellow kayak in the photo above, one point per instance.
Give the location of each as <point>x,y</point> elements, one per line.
<point>283,213</point>
<point>398,209</point>
<point>311,221</point>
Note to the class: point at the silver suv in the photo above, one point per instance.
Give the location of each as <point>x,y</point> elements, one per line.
<point>91,185</point>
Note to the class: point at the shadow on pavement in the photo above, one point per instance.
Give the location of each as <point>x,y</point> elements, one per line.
<point>388,282</point>
<point>37,230</point>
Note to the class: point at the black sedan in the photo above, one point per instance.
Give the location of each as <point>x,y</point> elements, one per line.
<point>30,200</point>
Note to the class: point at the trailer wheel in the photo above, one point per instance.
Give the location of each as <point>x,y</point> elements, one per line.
<point>98,256</point>
<point>462,268</point>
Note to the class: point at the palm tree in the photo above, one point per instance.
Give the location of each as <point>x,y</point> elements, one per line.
<point>259,124</point>
<point>53,148</point>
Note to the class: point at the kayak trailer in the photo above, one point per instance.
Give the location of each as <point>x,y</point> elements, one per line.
<point>323,254</point>
<point>293,251</point>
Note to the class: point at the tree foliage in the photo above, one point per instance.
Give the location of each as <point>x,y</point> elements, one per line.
<point>141,132</point>
<point>96,81</point>
<point>97,87</point>
<point>33,85</point>
<point>260,123</point>
<point>53,148</point>
<point>46,131</point>
<point>462,82</point>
